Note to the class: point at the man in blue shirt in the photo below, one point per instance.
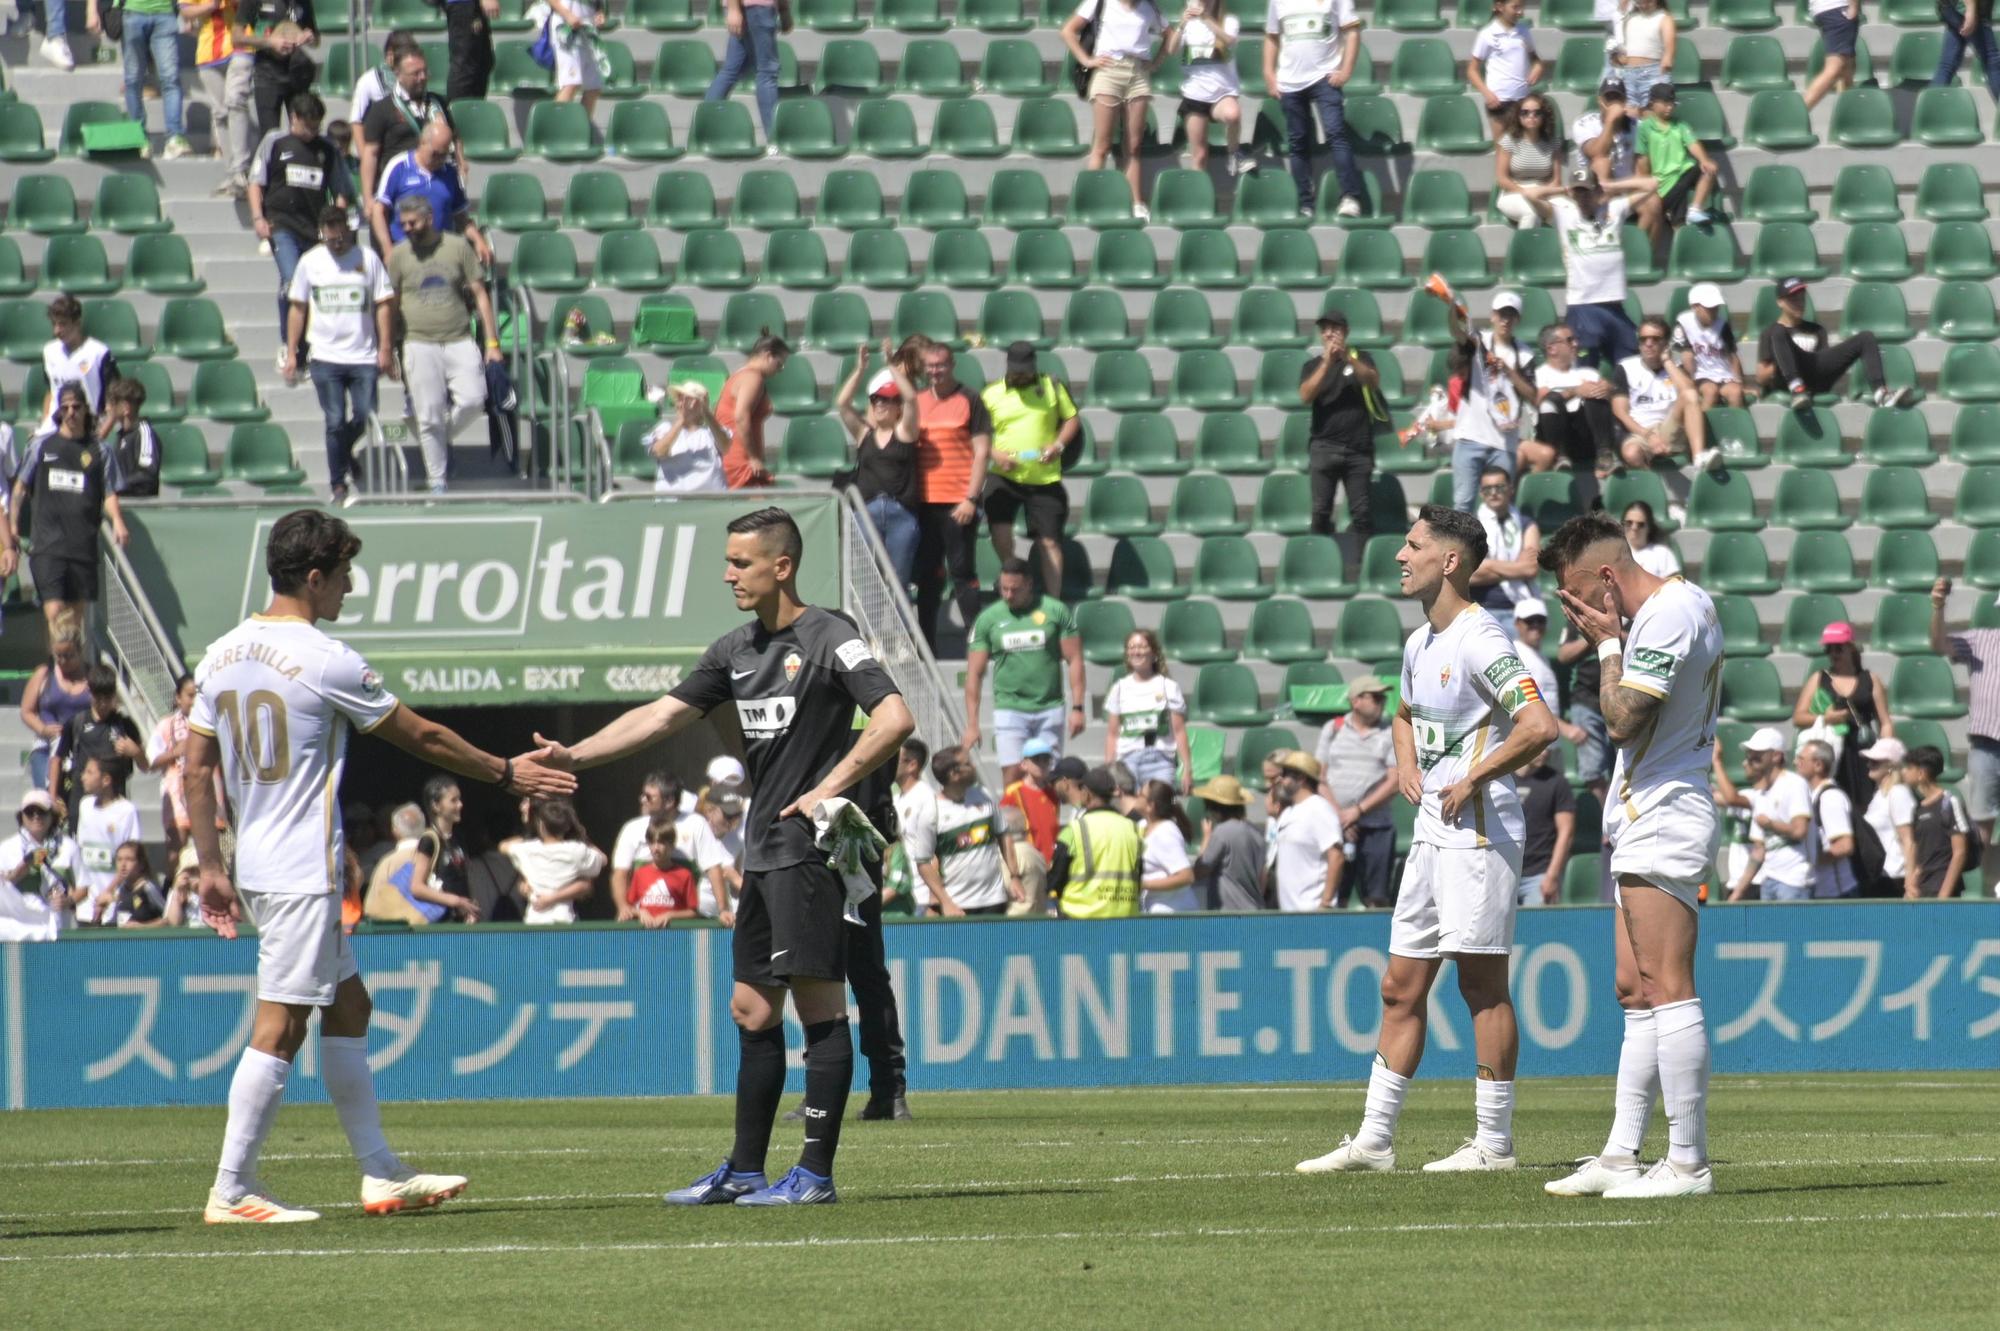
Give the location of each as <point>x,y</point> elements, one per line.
<point>426,169</point>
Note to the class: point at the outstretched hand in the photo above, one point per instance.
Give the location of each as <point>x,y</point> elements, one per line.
<point>534,776</point>
<point>552,753</point>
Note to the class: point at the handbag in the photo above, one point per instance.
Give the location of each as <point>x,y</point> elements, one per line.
<point>1079,77</point>
<point>110,20</point>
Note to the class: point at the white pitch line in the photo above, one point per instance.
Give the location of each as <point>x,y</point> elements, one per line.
<point>1062,1236</point>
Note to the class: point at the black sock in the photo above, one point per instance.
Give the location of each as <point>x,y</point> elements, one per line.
<point>760,1085</point>
<point>829,1073</point>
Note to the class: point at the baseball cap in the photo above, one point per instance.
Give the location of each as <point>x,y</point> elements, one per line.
<point>1791,286</point>
<point>1583,178</point>
<point>1302,763</point>
<point>1529,607</point>
<point>1764,740</point>
<point>1099,782</point>
<point>1039,747</point>
<point>1838,631</point>
<point>693,388</point>
<point>1366,684</point>
<point>883,385</point>
<point>724,768</point>
<point>1507,300</point>
<point>36,799</point>
<point>1888,749</point>
<point>1223,790</point>
<point>1070,769</point>
<point>1705,294</point>
<point>1612,90</point>
<point>727,796</point>
<point>1020,356</point>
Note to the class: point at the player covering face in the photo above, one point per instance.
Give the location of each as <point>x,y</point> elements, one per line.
<point>1469,717</point>
<point>1660,645</point>
<point>795,674</point>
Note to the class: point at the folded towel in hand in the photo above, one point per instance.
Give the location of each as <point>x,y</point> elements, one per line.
<point>850,841</point>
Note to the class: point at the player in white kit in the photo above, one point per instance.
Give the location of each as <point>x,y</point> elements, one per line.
<point>1470,716</point>
<point>1661,690</point>
<point>275,701</point>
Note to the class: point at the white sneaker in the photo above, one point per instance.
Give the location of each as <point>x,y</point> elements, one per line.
<point>1470,1157</point>
<point>1890,398</point>
<point>255,1207</point>
<point>56,51</point>
<point>1677,513</point>
<point>408,1191</point>
<point>1349,207</point>
<point>1594,1177</point>
<point>177,146</point>
<point>1242,164</point>
<point>1142,212</point>
<point>1698,217</point>
<point>1665,1179</point>
<point>1712,459</point>
<point>1349,1157</point>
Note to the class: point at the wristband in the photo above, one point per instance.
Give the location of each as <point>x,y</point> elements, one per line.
<point>493,344</point>
<point>1609,648</point>
<point>506,773</point>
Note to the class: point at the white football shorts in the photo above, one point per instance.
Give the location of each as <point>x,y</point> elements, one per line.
<point>1454,901</point>
<point>302,952</point>
<point>1671,845</point>
<point>576,65</point>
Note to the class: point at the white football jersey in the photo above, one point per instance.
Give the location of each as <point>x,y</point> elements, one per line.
<point>279,696</point>
<point>1463,688</point>
<point>1673,652</point>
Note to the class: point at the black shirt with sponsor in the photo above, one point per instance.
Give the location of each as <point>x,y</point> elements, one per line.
<point>1545,793</point>
<point>394,123</point>
<point>1340,410</point>
<point>84,737</point>
<point>68,479</point>
<point>137,451</point>
<point>795,693</point>
<point>300,176</point>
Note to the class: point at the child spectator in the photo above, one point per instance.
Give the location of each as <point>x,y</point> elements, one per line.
<point>1645,58</point>
<point>105,820</point>
<point>1706,345</point>
<point>1668,151</point>
<point>1506,48</point>
<point>133,900</point>
<point>664,889</point>
<point>1211,88</point>
<point>574,41</point>
<point>134,441</point>
<point>558,867</point>
<point>102,732</point>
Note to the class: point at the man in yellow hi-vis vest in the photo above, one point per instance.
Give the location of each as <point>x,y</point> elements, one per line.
<point>1096,871</point>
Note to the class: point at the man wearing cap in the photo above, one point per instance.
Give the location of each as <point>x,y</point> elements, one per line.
<point>1034,422</point>
<point>439,289</point>
<point>1655,403</point>
<point>1033,641</point>
<point>1095,873</point>
<point>1469,715</point>
<point>1890,814</point>
<point>1066,781</point>
<point>1530,627</point>
<point>1357,758</point>
<point>686,453</point>
<point>1706,345</point>
<point>1603,137</point>
<point>1229,872</point>
<point>1780,804</point>
<point>1306,854</point>
<point>1796,354</point>
<point>1978,650</point>
<point>1031,794</point>
<point>1589,216</point>
<point>1513,543</point>
<point>1498,374</point>
<point>1342,391</point>
<point>885,453</point>
<point>40,862</point>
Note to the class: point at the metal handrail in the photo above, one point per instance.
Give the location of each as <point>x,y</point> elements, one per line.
<point>521,366</point>
<point>373,454</point>
<point>148,662</point>
<point>561,458</point>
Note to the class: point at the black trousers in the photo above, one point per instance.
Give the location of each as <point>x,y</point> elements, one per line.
<point>1579,435</point>
<point>1333,464</point>
<point>943,542</point>
<point>1821,370</point>
<point>868,976</point>
<point>469,41</point>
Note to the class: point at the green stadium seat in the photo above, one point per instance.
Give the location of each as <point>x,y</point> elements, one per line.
<point>796,391</point>
<point>596,201</point>
<point>1583,880</point>
<point>1742,630</point>
<point>722,130</point>
<point>1225,693</point>
<point>1228,567</point>
<point>129,204</point>
<point>1875,252</point>
<point>639,130</point>
<point>803,130</point>
<point>1267,318</point>
<point>767,200</point>
<point>630,261</point>
<point>1290,259</point>
<point>1180,321</point>
<point>81,114</point>
<point>1745,15</point>
<point>1810,439</point>
<point>1963,312</point>
<point>962,261</point>
<point>1903,623</point>
<point>1982,560</point>
<point>1204,504</point>
<point>1192,632</point>
<point>1946,118</point>
<point>1784,249</point>
<point>852,201</point>
<point>1979,497</point>
<point>911,15</point>
<point>1975,434</point>
<point>831,15</point>
<point>184,460</point>
<point>935,200</point>
<point>1950,192</point>
<point>597,315</point>
<point>1117,506</point>
<point>1373,127</point>
<point>1548,498</point>
<point>1372,260</point>
<point>850,65</point>
<point>1381,575</point>
<point>1278,380</point>
<point>1123,381</point>
<point>1205,380</point>
<point>160,405</point>
<point>1776,192</point>
<point>1020,200</point>
<point>1924,687</point>
<point>1256,744</point>
<point>193,324</point>
<point>514,201</point>
<point>1439,199</point>
<point>931,67</point>
<point>1917,732</point>
<point>561,132</point>
<point>1699,110</point>
<point>1460,256</point>
<point>1045,127</point>
<point>1207,258</point>
<point>1096,320</point>
<point>14,279</point>
<point>546,261</point>
<point>1777,121</point>
<point>1822,561</point>
<point>192,328</point>
<point>1751,691</point>
<point>24,331</point>
<point>1722,502</point>
<point>45,205</point>
<point>1896,497</point>
<point>1736,562</point>
<point>1427,323</point>
<point>886,129</point>
<point>1425,67</point>
<point>1284,506</point>
<point>1960,251</point>
<point>1044,261</point>
<point>1706,254</point>
<point>1410,15</point>
<point>78,265</point>
<point>1734,431</point>
<point>965,128</point>
<point>21,138</point>
<point>1229,444</point>
<point>1915,59</point>
<point>262,455</point>
<point>747,316</point>
<point>1184,198</point>
<point>1578,67</point>
<point>713,261</point>
<point>837,321</point>
<point>1146,445</point>
<point>483,130</point>
<point>929,313</point>
<point>1311,566</point>
<point>1534,258</point>
<point>1631,487</point>
<point>1971,373</point>
<point>1013,316</point>
<point>1808,500</point>
<point>226,390</point>
<point>683,68</point>
<point>666,324</point>
<point>1863,117</point>
<point>1897,438</point>
<point>1013,67</point>
<point>1905,560</point>
<point>1267,200</point>
<point>515,71</point>
<point>796,259</point>
<point>1104,626</point>
<point>1749,64</point>
<point>1370,630</point>
<point>1126,259</point>
<point>816,447</point>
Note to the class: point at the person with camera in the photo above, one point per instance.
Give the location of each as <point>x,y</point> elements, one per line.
<point>1341,390</point>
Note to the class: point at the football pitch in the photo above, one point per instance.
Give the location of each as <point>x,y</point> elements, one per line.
<point>1844,1200</point>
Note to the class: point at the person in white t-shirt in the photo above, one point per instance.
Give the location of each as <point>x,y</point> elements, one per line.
<point>1166,867</point>
<point>72,356</point>
<point>1705,344</point>
<point>1780,804</point>
<point>341,298</point>
<point>558,866</point>
<point>1211,88</point>
<point>694,844</point>
<point>1589,229</point>
<point>1121,78</point>
<point>1506,49</point>
<point>1513,544</point>
<point>1830,835</point>
<point>378,81</point>
<point>1892,812</point>
<point>1310,49</point>
<point>1145,717</point>
<point>1655,403</point>
<point>1573,420</point>
<point>1498,376</point>
<point>1642,533</point>
<point>686,447</point>
<point>1307,854</point>
<point>1603,143</point>
<point>105,821</point>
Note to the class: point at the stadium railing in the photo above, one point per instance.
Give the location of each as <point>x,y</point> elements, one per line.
<point>143,654</point>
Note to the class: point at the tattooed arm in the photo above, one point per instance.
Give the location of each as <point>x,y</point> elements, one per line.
<point>1627,712</point>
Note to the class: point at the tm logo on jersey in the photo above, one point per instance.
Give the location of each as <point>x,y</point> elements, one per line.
<point>765,718</point>
<point>1650,661</point>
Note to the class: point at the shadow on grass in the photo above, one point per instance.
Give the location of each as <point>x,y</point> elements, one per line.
<point>99,1232</point>
<point>1841,1187</point>
<point>982,1194</point>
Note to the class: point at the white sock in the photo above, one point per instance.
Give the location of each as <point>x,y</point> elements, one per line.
<point>343,1062</point>
<point>1684,1081</point>
<point>1638,1084</point>
<point>255,1093</point>
<point>1493,1109</point>
<point>1386,1090</point>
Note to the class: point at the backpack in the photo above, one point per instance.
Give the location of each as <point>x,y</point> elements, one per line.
<point>1868,857</point>
<point>543,49</point>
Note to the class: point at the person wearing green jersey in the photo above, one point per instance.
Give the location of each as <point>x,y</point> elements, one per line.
<point>1030,639</point>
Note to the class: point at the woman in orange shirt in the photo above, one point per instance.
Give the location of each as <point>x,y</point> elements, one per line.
<point>746,398</point>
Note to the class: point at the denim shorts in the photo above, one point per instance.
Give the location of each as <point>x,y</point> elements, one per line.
<point>1982,780</point>
<point>1012,730</point>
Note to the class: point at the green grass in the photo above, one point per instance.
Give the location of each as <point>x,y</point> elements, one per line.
<point>1846,1200</point>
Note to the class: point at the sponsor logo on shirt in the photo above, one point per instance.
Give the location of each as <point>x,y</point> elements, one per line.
<point>62,478</point>
<point>1504,669</point>
<point>1024,640</point>
<point>765,718</point>
<point>1650,661</point>
<point>852,653</point>
<point>371,683</point>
